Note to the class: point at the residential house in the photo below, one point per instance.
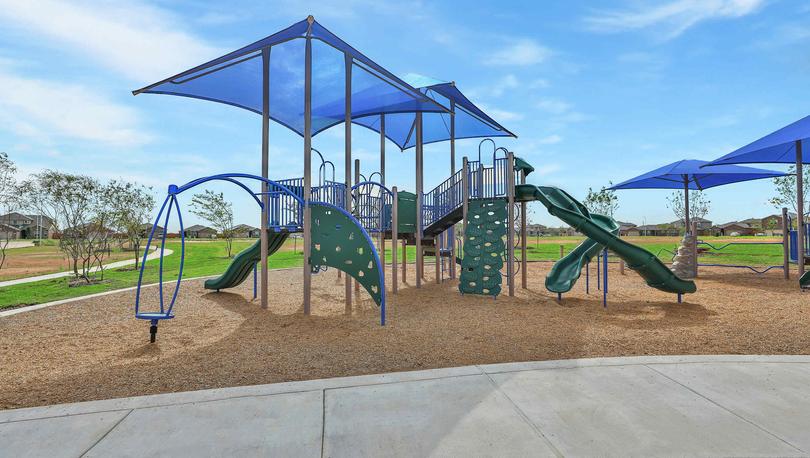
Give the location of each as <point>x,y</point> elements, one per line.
<point>8,232</point>
<point>704,226</point>
<point>244,231</point>
<point>198,231</point>
<point>29,226</point>
<point>771,224</point>
<point>626,228</point>
<point>146,228</point>
<point>733,228</point>
<point>656,230</point>
<point>536,230</point>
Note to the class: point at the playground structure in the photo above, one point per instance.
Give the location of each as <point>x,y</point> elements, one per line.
<point>338,219</point>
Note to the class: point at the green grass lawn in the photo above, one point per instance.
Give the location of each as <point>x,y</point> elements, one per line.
<point>208,258</point>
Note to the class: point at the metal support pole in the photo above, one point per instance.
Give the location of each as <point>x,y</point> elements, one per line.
<point>465,197</point>
<point>394,237</point>
<point>686,226</point>
<point>588,277</point>
<point>263,235</point>
<point>382,238</point>
<point>510,234</point>
<point>419,178</point>
<point>785,244</point>
<point>524,276</point>
<point>347,164</point>
<point>404,261</point>
<point>437,247</point>
<point>800,210</point>
<point>359,204</point>
<point>382,149</point>
<point>307,168</point>
<point>605,278</point>
<point>452,231</point>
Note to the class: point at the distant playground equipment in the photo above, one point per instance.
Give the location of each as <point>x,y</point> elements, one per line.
<point>337,219</point>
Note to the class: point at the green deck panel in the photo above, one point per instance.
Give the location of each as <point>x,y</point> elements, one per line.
<point>406,212</point>
<point>484,247</point>
<point>337,241</point>
<point>242,265</point>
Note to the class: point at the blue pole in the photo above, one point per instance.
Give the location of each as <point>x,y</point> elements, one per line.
<point>679,298</point>
<point>587,278</point>
<point>605,278</point>
<point>598,272</point>
<point>559,297</point>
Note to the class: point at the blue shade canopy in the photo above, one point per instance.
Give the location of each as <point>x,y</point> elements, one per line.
<point>776,147</point>
<point>689,172</point>
<point>236,79</point>
<point>470,121</point>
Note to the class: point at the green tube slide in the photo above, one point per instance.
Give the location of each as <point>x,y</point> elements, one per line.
<point>242,264</point>
<point>600,232</point>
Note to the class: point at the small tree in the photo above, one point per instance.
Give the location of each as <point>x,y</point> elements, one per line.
<point>8,198</point>
<point>78,205</point>
<point>213,207</point>
<point>786,190</point>
<point>699,205</point>
<point>131,205</point>
<point>602,202</point>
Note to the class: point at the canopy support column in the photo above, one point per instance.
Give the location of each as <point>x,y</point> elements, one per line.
<point>687,226</point>
<point>510,234</point>
<point>524,279</point>
<point>307,170</point>
<point>264,242</point>
<point>394,237</point>
<point>785,244</point>
<point>382,149</point>
<point>360,205</point>
<point>451,234</point>
<point>799,209</point>
<point>419,178</point>
<point>347,170</point>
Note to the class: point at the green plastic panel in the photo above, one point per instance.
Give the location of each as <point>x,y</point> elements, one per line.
<point>406,212</point>
<point>338,241</point>
<point>484,247</point>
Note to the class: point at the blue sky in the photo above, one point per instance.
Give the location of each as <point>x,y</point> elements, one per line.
<point>596,91</point>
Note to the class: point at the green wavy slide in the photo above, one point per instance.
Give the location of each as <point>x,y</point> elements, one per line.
<point>242,264</point>
<point>601,232</point>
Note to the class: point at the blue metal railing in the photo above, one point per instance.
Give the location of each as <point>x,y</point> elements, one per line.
<point>484,182</point>
<point>371,200</point>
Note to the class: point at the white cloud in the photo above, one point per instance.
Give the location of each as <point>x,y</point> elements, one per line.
<point>500,115</point>
<point>139,41</point>
<point>550,140</point>
<point>521,52</point>
<point>539,83</point>
<point>504,84</point>
<point>554,106</point>
<point>44,108</point>
<point>672,18</point>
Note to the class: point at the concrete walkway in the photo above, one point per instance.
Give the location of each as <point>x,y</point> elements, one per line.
<point>673,406</point>
<point>113,265</point>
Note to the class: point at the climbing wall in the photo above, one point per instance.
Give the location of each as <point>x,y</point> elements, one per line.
<point>484,247</point>
<point>339,241</point>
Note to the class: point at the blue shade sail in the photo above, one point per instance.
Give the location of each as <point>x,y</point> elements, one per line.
<point>236,79</point>
<point>692,173</point>
<point>778,147</point>
<point>471,121</point>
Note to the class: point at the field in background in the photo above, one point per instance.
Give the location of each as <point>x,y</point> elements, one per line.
<point>208,257</point>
